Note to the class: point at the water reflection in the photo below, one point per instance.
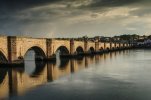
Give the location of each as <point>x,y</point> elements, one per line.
<point>29,61</point>
<point>17,81</point>
<point>4,83</point>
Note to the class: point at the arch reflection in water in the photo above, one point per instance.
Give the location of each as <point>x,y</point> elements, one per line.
<point>91,59</point>
<point>31,66</point>
<point>97,59</point>
<point>58,57</point>
<point>61,61</point>
<point>18,80</point>
<point>29,61</point>
<point>56,70</point>
<point>77,63</point>
<point>22,82</point>
<point>4,83</point>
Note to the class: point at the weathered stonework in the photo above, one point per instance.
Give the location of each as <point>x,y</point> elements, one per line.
<point>3,46</point>
<point>15,48</point>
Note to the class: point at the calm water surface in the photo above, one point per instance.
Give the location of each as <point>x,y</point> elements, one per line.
<point>124,75</point>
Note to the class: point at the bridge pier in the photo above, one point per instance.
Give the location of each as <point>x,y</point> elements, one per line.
<point>12,50</point>
<point>97,47</point>
<point>49,48</point>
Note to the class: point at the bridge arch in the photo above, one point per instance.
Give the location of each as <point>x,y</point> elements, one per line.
<point>107,49</point>
<point>3,58</point>
<point>91,50</point>
<point>39,53</point>
<point>101,49</point>
<point>63,50</point>
<point>79,50</point>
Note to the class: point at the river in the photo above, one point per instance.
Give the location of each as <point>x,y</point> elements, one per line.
<point>120,75</point>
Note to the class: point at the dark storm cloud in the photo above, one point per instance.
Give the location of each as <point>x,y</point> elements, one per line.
<point>18,14</point>
<point>23,4</point>
<point>9,8</point>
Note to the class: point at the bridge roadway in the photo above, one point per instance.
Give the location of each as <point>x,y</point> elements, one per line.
<point>13,49</point>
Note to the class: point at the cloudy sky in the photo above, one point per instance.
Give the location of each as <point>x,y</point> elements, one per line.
<point>72,18</point>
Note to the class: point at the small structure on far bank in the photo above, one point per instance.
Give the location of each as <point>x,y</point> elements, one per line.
<point>143,43</point>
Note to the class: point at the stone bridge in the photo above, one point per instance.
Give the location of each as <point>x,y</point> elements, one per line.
<point>13,49</point>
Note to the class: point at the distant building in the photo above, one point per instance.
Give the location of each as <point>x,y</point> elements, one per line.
<point>147,42</point>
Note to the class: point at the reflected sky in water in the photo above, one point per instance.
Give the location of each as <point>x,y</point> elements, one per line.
<point>121,75</point>
<point>29,62</point>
